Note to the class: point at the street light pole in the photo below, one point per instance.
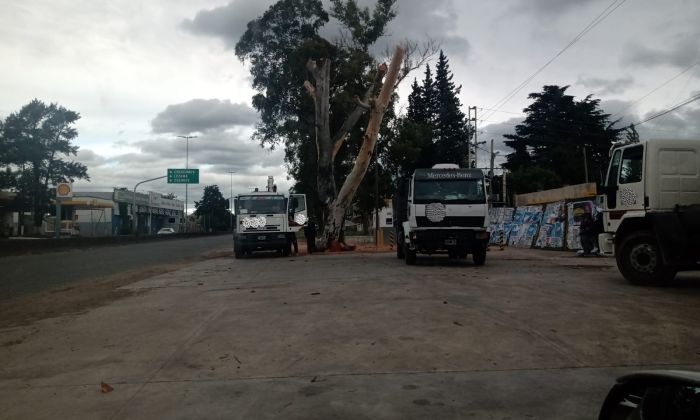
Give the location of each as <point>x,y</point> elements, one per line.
<point>135,219</point>
<point>230,199</point>
<point>187,158</point>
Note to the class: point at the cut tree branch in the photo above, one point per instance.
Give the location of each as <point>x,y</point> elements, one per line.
<point>364,104</point>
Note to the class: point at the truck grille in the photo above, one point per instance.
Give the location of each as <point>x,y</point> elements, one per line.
<point>452,221</point>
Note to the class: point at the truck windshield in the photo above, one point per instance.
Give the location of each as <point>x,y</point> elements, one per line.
<point>463,191</point>
<point>262,204</point>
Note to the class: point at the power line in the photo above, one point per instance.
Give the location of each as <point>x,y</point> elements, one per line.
<point>662,113</point>
<point>614,5</point>
<point>498,110</point>
<point>657,88</point>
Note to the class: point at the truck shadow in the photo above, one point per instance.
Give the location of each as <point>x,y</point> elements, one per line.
<point>686,280</point>
<point>444,261</point>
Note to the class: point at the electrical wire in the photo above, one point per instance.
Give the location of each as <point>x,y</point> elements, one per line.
<point>675,107</point>
<point>614,5</point>
<point>656,88</point>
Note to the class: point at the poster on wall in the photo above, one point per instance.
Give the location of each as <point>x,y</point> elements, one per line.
<point>551,233</point>
<point>526,223</point>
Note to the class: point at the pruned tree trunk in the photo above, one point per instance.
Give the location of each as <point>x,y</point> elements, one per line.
<point>320,92</point>
<point>336,204</point>
<point>378,106</point>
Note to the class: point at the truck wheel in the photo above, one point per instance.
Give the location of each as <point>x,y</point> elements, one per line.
<point>409,255</point>
<point>640,262</point>
<point>479,255</point>
<point>237,252</point>
<point>399,245</point>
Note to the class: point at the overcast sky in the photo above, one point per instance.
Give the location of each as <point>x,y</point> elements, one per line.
<point>142,73</point>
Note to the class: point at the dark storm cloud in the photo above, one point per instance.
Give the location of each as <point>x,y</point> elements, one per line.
<point>199,115</point>
<point>415,20</point>
<point>601,86</point>
<point>549,7</point>
<point>680,52</point>
<point>227,22</point>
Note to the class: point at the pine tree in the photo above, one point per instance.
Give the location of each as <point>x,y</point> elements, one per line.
<point>450,124</point>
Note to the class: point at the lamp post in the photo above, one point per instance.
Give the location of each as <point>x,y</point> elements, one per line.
<point>187,158</point>
<point>230,199</point>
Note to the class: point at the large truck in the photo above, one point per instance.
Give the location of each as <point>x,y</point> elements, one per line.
<point>651,213</point>
<point>442,210</point>
<point>267,220</point>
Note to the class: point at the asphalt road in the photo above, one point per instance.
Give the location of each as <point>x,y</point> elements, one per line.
<point>33,273</point>
<point>530,335</point>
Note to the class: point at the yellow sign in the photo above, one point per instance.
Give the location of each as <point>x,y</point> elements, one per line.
<point>64,189</point>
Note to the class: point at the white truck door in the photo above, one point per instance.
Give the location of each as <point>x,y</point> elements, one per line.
<point>297,212</point>
<point>630,193</point>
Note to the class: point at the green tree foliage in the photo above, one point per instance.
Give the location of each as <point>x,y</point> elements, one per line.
<point>530,179</point>
<point>552,139</point>
<point>277,46</point>
<point>213,209</point>
<point>434,129</point>
<point>36,144</point>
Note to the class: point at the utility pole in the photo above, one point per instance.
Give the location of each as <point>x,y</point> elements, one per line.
<point>376,202</point>
<point>493,157</point>
<point>230,199</point>
<point>187,158</point>
<point>585,163</point>
<point>469,148</point>
<point>505,196</point>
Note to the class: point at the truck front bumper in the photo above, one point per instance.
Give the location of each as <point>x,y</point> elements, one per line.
<point>448,239</point>
<point>261,240</point>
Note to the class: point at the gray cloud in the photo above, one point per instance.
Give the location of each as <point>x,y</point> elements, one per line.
<point>415,20</point>
<point>549,7</point>
<point>606,86</point>
<point>215,152</point>
<point>199,115</point>
<point>680,51</point>
<point>227,22</point>
<point>681,124</point>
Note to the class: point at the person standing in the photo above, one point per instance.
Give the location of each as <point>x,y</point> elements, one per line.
<point>310,233</point>
<point>587,233</point>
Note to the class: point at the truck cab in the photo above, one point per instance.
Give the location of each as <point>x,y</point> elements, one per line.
<point>442,210</point>
<point>267,221</point>
<point>651,213</point>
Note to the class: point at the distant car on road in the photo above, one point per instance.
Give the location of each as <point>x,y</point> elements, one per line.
<point>165,231</point>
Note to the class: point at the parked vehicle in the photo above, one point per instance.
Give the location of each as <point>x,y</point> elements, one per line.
<point>165,231</point>
<point>267,220</point>
<point>442,210</point>
<point>652,209</point>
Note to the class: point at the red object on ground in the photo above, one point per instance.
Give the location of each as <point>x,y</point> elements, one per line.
<point>335,247</point>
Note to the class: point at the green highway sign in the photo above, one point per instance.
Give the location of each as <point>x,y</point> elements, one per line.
<point>183,176</point>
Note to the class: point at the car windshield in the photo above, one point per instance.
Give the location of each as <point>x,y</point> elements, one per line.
<point>262,204</point>
<point>469,191</point>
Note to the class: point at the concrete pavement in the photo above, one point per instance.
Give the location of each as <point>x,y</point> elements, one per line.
<point>533,334</point>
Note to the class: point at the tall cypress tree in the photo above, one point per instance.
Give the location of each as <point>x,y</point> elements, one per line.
<point>451,131</point>
<point>434,130</point>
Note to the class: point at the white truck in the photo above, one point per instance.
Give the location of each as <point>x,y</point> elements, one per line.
<point>651,215</point>
<point>267,220</point>
<point>442,210</point>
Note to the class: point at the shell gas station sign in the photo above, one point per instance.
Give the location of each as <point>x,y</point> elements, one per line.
<point>64,190</point>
